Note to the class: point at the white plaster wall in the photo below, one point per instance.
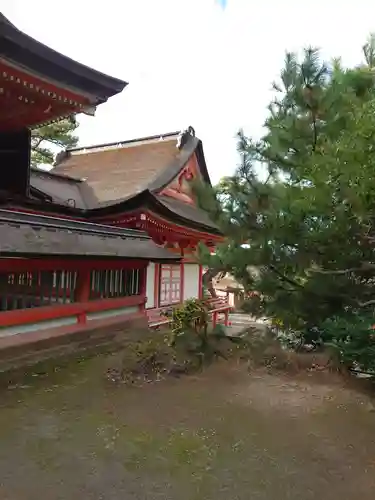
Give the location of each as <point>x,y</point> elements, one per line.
<point>41,325</point>
<point>191,281</point>
<point>150,283</point>
<point>223,295</point>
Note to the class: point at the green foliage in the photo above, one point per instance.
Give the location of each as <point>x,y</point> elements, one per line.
<point>352,336</point>
<point>148,359</point>
<point>46,141</point>
<point>192,314</point>
<point>303,197</point>
<point>190,333</point>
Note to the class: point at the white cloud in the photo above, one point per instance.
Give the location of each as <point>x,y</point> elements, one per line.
<point>189,62</point>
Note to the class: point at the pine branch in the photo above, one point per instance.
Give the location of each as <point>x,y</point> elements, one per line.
<point>285,278</point>
<point>366,304</point>
<point>315,132</point>
<point>340,272</point>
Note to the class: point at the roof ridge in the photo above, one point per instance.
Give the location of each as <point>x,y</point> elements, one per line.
<point>128,141</point>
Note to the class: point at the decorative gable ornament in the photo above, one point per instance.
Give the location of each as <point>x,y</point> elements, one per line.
<point>184,136</point>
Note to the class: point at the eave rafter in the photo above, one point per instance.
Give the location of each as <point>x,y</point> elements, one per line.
<point>166,232</point>
<point>29,101</point>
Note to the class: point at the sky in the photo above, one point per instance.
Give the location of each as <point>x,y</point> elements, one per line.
<point>205,63</point>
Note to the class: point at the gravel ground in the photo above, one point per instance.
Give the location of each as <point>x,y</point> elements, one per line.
<point>225,434</point>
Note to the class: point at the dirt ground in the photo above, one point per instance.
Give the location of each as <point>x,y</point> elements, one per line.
<point>224,434</point>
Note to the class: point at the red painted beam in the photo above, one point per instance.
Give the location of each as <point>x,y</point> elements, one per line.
<point>164,226</point>
<point>39,335</point>
<point>37,314</point>
<point>19,77</point>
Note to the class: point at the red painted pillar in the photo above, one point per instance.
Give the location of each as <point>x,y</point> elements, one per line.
<point>200,281</point>
<point>182,277</point>
<point>82,293</point>
<point>143,286</point>
<point>156,284</point>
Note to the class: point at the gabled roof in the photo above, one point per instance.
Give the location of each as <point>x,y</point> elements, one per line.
<point>132,175</point>
<point>38,59</point>
<point>117,171</point>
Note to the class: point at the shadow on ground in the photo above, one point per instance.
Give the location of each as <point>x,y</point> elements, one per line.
<point>224,434</point>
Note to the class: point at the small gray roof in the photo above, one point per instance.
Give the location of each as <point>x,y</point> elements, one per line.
<point>30,241</point>
<point>30,235</point>
<point>62,190</point>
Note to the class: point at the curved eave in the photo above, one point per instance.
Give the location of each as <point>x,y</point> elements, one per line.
<point>164,211</point>
<point>142,201</point>
<point>38,59</point>
<point>148,201</point>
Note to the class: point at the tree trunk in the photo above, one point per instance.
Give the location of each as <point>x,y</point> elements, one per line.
<point>208,278</point>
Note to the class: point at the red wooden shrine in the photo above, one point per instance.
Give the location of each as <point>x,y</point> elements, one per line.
<point>112,230</point>
<point>59,273</point>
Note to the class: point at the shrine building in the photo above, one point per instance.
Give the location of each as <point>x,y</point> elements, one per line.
<point>106,236</point>
<point>147,184</point>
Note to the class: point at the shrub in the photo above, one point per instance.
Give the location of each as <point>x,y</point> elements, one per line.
<point>190,332</point>
<point>149,359</point>
<point>352,337</point>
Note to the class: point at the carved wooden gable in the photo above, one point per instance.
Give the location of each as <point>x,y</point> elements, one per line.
<point>180,187</point>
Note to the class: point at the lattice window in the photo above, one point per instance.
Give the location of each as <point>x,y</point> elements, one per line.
<point>36,289</point>
<point>112,283</point>
<point>170,284</point>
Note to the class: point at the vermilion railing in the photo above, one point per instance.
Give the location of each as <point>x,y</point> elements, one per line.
<point>32,290</point>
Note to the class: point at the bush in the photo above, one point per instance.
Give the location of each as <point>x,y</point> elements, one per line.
<point>189,344</point>
<point>191,334</point>
<point>252,304</point>
<point>353,338</point>
<point>149,359</point>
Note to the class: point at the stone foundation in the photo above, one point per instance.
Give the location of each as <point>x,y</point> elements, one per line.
<point>97,336</point>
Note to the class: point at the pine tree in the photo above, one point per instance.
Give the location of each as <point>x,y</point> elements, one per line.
<point>308,221</point>
<point>46,141</point>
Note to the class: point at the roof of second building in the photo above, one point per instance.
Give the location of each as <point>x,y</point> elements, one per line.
<point>117,171</point>
<point>132,175</point>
